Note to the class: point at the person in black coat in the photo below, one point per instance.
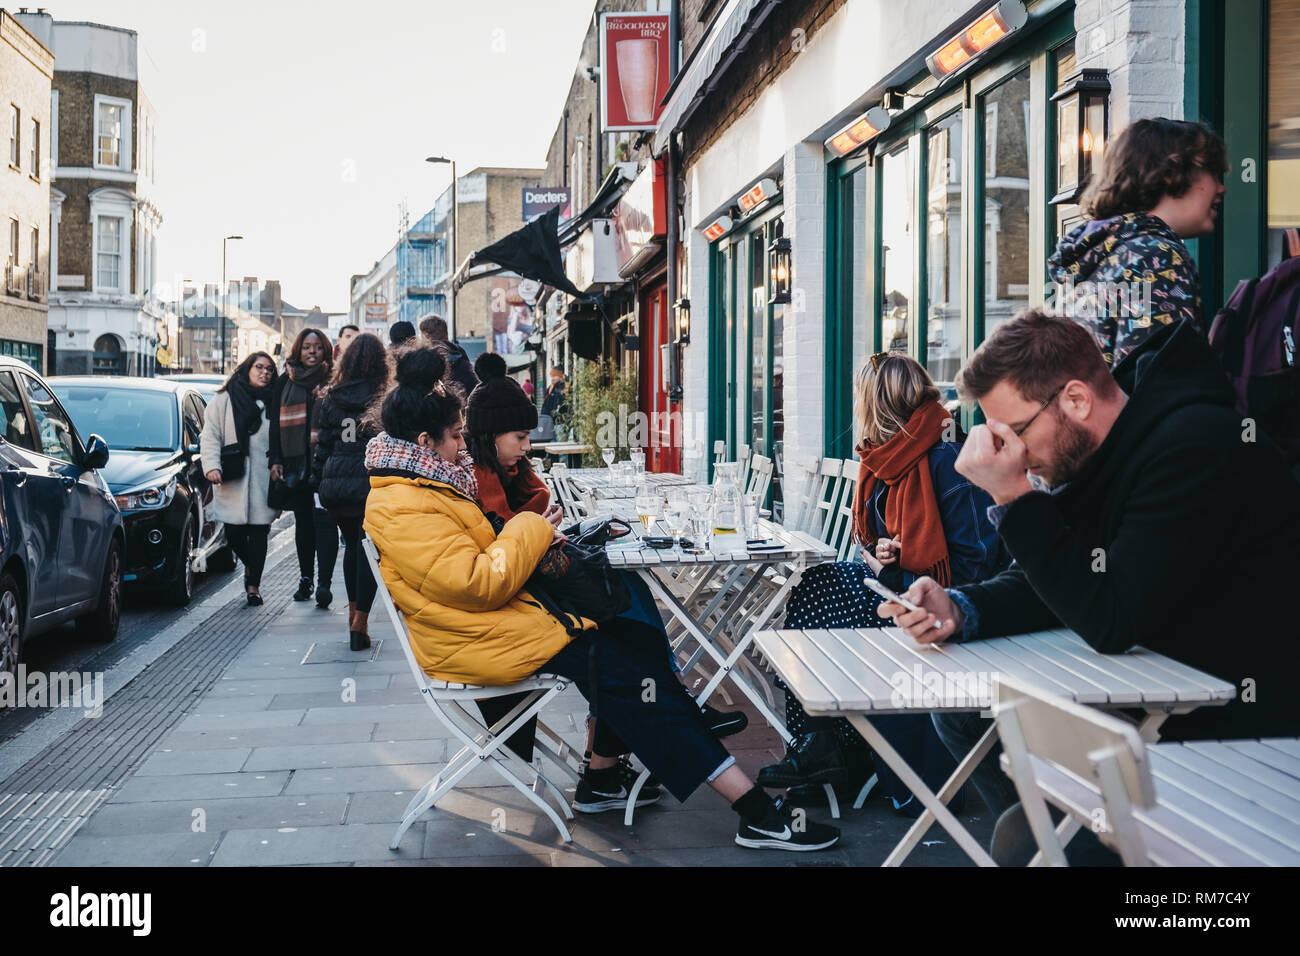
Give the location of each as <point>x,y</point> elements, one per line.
<point>342,428</point>
<point>1138,509</point>
<point>460,370</point>
<point>306,373</point>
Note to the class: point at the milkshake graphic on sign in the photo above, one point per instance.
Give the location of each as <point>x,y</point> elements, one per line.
<point>638,77</point>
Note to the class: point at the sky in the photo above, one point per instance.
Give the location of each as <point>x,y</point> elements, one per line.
<point>302,124</point>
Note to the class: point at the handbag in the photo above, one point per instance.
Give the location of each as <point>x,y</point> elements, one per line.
<point>278,497</point>
<point>574,578</point>
<point>232,462</point>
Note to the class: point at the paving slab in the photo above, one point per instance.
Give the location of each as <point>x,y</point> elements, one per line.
<point>158,849</point>
<point>227,760</point>
<point>364,696</point>
<point>217,718</point>
<point>305,681</point>
<point>179,740</point>
<point>310,756</point>
<point>200,786</point>
<point>348,843</point>
<point>241,813</point>
<point>354,779</point>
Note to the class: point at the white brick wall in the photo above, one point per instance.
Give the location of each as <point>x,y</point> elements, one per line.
<point>695,357</point>
<point>804,333</point>
<point>1141,44</point>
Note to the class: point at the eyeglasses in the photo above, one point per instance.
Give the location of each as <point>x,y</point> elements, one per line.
<point>1051,398</point>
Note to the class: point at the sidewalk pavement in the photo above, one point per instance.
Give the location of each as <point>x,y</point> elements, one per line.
<point>306,753</point>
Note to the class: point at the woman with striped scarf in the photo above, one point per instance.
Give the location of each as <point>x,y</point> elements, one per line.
<point>307,371</point>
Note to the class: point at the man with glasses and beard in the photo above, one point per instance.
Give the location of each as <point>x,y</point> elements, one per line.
<point>1139,509</point>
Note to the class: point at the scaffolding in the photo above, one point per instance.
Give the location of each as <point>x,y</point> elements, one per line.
<point>421,262</point>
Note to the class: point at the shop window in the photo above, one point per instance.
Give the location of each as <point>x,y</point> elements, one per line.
<point>897,249</point>
<point>1283,123</point>
<point>943,250</point>
<point>1006,201</point>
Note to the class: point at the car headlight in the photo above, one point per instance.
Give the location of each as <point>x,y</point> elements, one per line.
<point>147,499</point>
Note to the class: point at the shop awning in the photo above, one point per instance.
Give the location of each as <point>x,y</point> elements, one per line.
<point>728,37</point>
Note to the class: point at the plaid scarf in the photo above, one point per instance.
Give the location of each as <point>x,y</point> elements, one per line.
<point>384,453</point>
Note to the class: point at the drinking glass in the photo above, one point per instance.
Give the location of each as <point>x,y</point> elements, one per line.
<point>676,516</point>
<point>648,508</point>
<point>608,455</point>
<point>638,460</point>
<point>751,515</point>
<point>701,510</point>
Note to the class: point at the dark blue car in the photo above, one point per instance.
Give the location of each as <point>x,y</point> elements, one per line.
<point>61,536</point>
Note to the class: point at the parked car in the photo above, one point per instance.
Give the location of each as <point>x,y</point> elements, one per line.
<point>152,427</point>
<point>205,384</point>
<point>61,534</point>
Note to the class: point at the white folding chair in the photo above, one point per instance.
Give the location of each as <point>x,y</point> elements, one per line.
<point>481,745</point>
<point>802,494</point>
<point>575,506</point>
<point>719,451</point>
<point>1039,730</point>
<point>760,477</point>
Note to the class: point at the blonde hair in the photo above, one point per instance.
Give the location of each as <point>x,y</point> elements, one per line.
<point>887,389</point>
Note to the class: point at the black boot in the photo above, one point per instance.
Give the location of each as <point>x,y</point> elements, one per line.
<point>812,758</point>
<point>860,769</point>
<point>304,589</point>
<point>323,594</point>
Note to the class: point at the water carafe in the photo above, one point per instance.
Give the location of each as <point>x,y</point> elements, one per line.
<point>728,509</point>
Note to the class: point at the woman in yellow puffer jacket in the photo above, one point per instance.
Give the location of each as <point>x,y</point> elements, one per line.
<point>471,619</point>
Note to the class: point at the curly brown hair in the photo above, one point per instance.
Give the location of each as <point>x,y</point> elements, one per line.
<point>1151,158</point>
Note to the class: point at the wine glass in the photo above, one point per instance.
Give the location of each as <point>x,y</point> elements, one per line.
<point>608,455</point>
<point>637,456</point>
<point>676,516</point>
<point>648,508</point>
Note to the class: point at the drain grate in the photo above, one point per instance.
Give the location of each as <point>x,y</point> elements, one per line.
<point>338,652</point>
<point>46,801</point>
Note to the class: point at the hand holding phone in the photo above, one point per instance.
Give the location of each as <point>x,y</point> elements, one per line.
<point>890,595</point>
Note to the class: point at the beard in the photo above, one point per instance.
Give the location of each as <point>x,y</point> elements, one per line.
<point>1071,449</point>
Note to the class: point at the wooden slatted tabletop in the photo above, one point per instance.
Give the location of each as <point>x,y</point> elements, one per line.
<point>1218,803</point>
<point>867,670</point>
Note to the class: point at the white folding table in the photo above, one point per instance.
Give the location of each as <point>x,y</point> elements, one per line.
<point>862,672</point>
<point>1218,802</point>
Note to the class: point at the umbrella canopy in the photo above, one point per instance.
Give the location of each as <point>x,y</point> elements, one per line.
<point>533,252</point>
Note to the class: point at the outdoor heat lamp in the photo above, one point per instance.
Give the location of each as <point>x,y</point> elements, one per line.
<point>871,123</point>
<point>718,228</point>
<point>778,266</point>
<point>682,310</point>
<point>1082,121</point>
<point>1005,18</point>
<point>761,191</point>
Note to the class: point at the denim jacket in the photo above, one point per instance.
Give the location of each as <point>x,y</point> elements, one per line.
<point>974,549</point>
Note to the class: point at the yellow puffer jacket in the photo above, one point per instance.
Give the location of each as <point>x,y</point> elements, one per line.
<point>459,585</point>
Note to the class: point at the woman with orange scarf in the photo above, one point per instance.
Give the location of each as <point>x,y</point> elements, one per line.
<point>913,515</point>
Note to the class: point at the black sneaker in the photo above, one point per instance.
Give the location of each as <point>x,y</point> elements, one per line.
<point>324,595</point>
<point>784,828</point>
<point>812,758</point>
<point>603,796</point>
<point>630,774</point>
<point>304,590</point>
<point>724,724</point>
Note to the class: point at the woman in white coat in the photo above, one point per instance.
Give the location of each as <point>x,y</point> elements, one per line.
<point>237,421</point>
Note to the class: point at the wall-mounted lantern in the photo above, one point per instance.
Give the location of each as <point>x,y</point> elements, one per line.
<point>682,315</point>
<point>1082,125</point>
<point>778,267</point>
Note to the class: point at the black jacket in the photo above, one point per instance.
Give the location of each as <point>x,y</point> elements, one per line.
<point>1199,532</point>
<point>338,468</point>
<point>459,368</point>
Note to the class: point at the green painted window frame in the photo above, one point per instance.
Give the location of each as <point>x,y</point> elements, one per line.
<point>1035,51</point>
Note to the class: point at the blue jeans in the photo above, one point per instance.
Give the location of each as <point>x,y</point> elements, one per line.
<point>960,732</point>
<point>642,705</point>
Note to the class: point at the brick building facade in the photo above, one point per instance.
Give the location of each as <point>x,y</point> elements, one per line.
<point>104,219</point>
<point>26,74</point>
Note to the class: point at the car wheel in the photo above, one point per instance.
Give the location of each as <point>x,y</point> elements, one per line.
<point>222,560</point>
<point>181,589</point>
<point>101,624</point>
<point>11,626</point>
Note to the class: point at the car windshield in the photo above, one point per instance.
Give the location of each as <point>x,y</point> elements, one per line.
<point>128,419</point>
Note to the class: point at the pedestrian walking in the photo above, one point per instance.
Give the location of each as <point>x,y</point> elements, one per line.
<point>556,402</point>
<point>234,448</point>
<point>1125,272</point>
<point>400,333</point>
<point>307,372</point>
<point>459,368</point>
<point>346,335</point>
<point>339,468</point>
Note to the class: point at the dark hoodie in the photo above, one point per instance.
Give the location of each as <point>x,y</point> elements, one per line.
<point>338,467</point>
<point>459,368</point>
<point>1199,532</point>
<point>1123,278</point>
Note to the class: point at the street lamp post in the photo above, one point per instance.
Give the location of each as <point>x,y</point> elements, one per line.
<point>455,233</point>
<point>221,318</point>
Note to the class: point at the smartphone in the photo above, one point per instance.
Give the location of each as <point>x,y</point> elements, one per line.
<point>889,595</point>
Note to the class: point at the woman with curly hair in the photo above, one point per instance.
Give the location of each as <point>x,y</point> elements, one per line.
<point>1126,272</point>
